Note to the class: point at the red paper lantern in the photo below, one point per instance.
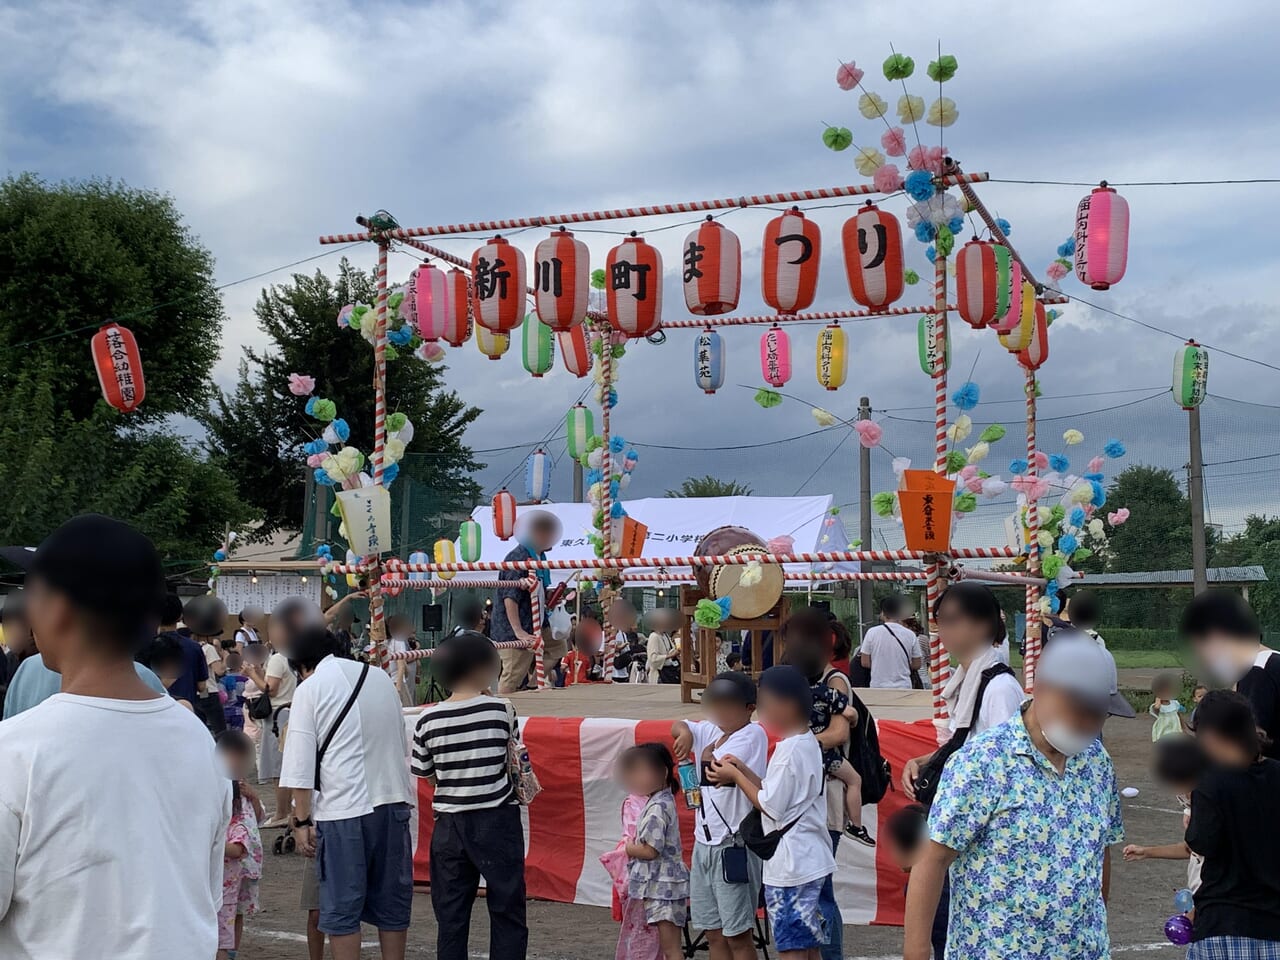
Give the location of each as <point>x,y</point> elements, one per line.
<point>1036,352</point>
<point>498,286</point>
<point>792,250</point>
<point>633,287</point>
<point>457,327</point>
<point>872,242</point>
<point>775,357</point>
<point>984,282</point>
<point>504,514</point>
<point>561,280</point>
<point>119,366</point>
<point>1102,238</point>
<point>428,301</point>
<point>712,261</point>
<point>575,350</point>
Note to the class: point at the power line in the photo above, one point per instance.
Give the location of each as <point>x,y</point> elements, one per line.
<point>1133,183</point>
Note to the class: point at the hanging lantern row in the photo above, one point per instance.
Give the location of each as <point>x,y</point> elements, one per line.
<point>119,367</point>
<point>537,476</point>
<point>1190,375</point>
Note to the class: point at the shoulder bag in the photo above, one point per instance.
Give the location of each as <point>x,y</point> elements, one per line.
<point>342,715</point>
<point>916,682</point>
<point>931,772</point>
<point>524,782</point>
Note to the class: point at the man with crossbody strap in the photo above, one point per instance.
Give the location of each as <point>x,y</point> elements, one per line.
<point>345,760</point>
<point>887,649</point>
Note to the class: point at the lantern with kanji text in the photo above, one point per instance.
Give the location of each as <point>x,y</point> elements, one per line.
<point>561,280</point>
<point>712,269</point>
<point>427,301</point>
<point>789,272</point>
<point>1102,238</point>
<point>775,356</point>
<point>119,366</point>
<point>708,361</point>
<point>498,285</point>
<point>633,287</point>
<point>933,345</point>
<point>833,357</point>
<point>872,242</point>
<point>1190,374</point>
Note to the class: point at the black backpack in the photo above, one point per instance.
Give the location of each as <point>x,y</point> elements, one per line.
<point>865,755</point>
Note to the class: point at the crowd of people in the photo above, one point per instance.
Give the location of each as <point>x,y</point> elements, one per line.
<point>1005,843</point>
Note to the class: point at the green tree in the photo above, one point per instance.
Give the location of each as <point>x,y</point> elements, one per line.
<point>1258,543</point>
<point>710,486</point>
<point>258,428</point>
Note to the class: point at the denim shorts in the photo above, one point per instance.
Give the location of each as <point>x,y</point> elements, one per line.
<point>365,867</point>
<point>795,916</point>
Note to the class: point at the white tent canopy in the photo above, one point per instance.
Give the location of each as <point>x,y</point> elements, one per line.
<point>677,524</point>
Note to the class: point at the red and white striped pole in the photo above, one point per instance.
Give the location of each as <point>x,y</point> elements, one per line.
<point>939,664</point>
<point>377,619</point>
<point>1031,646</point>
<point>606,491</point>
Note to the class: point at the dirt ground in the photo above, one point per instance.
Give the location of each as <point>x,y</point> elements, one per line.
<point>1141,893</point>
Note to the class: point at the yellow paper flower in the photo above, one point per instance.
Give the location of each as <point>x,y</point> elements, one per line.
<point>751,574</point>
<point>966,204</point>
<point>872,105</point>
<point>868,161</point>
<point>824,417</point>
<point>1096,527</point>
<point>1082,493</point>
<point>1045,539</point>
<point>978,452</point>
<point>394,450</point>
<point>333,469</point>
<point>942,112</point>
<point>960,429</point>
<point>350,460</point>
<point>910,108</point>
<point>1072,437</point>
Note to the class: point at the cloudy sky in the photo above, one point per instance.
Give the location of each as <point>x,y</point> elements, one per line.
<point>274,122</point>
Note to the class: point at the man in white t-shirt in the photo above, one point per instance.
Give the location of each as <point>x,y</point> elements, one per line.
<point>889,650</point>
<point>346,760</point>
<point>113,806</point>
<point>279,681</point>
<point>726,911</point>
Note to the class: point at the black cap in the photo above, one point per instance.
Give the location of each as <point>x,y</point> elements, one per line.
<point>103,566</point>
<point>731,686</point>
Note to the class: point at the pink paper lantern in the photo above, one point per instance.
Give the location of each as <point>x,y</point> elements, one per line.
<point>775,356</point>
<point>1102,238</point>
<point>428,300</point>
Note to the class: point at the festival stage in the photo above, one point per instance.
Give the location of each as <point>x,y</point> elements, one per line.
<point>574,735</point>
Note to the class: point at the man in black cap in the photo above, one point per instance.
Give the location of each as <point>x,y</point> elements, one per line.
<point>101,778</point>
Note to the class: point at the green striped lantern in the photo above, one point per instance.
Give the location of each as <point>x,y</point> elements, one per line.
<point>931,347</point>
<point>469,541</point>
<point>536,348</point>
<point>580,426</point>
<point>1190,374</point>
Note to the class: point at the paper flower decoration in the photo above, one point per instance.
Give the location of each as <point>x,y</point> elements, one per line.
<point>993,487</point>
<point>837,138</point>
<point>978,452</point>
<point>925,231</point>
<point>898,66</point>
<point>752,574</point>
<point>1042,460</point>
<point>910,278</point>
<point>884,504</point>
<point>768,398</point>
<point>965,503</point>
<point>1114,449</point>
<point>910,108</point>
<point>894,141</point>
<point>1056,271</point>
<point>925,158</point>
<point>711,613</point>
<point>942,112</point>
<point>942,69</point>
<point>887,179</point>
<point>1072,437</point>
<point>956,461</point>
<point>848,75</point>
<point>869,433</point>
<point>1060,463</point>
<point>872,105</point>
<point>919,185</point>
<point>824,417</point>
<point>967,397</point>
<point>1044,539</point>
<point>960,429</point>
<point>868,161</point>
<point>1003,224</point>
<point>1117,517</point>
<point>993,433</point>
<point>784,544</point>
<point>901,465</point>
<point>301,385</point>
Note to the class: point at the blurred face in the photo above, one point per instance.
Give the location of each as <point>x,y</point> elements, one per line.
<point>961,635</point>
<point>1222,751</point>
<point>642,779</point>
<point>901,858</point>
<point>543,534</point>
<point>1224,656</point>
<point>778,714</point>
<point>1068,725</point>
<point>727,714</point>
<point>1198,694</point>
<point>237,764</point>
<point>51,621</point>
<point>17,634</point>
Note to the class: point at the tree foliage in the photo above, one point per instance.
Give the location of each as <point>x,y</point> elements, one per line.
<point>1258,543</point>
<point>258,428</point>
<point>710,486</point>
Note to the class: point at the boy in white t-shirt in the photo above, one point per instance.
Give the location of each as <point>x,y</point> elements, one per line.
<point>790,798</point>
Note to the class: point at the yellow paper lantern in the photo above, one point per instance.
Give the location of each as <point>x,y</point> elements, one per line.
<point>833,357</point>
<point>1020,336</point>
<point>444,553</point>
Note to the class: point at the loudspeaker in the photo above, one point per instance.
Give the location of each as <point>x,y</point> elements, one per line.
<point>432,617</point>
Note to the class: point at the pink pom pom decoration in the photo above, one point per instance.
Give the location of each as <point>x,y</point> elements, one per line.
<point>783,544</point>
<point>316,459</point>
<point>894,142</point>
<point>925,158</point>
<point>848,76</point>
<point>887,179</point>
<point>344,316</point>
<point>1033,488</point>
<point>870,433</point>
<point>1118,517</point>
<point>1042,460</point>
<point>1055,271</point>
<point>974,484</point>
<point>1096,464</point>
<point>301,385</point>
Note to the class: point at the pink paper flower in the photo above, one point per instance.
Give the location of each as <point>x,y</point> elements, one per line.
<point>300,385</point>
<point>848,75</point>
<point>1096,464</point>
<point>1042,460</point>
<point>316,459</point>
<point>1118,517</point>
<point>1055,271</point>
<point>783,544</point>
<point>894,142</point>
<point>887,179</point>
<point>869,432</point>
<point>925,158</point>
<point>974,484</point>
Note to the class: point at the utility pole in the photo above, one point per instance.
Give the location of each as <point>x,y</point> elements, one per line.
<point>1195,490</point>
<point>864,519</point>
<point>577,481</point>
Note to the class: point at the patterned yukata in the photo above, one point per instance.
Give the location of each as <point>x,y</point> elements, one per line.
<point>662,883</point>
<point>827,704</point>
<point>240,877</point>
<point>1028,878</point>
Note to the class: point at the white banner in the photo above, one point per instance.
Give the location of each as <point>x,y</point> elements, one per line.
<point>238,591</point>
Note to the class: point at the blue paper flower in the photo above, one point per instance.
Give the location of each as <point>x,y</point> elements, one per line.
<point>919,185</point>
<point>1114,449</point>
<point>322,477</point>
<point>310,405</point>
<point>400,336</point>
<point>633,456</point>
<point>724,603</point>
<point>1093,476</point>
<point>612,398</point>
<point>1068,543</point>
<point>926,231</point>
<point>1099,494</point>
<point>1054,604</point>
<point>956,225</point>
<point>315,446</point>
<point>1067,248</point>
<point>593,476</point>
<point>1051,587</point>
<point>930,254</point>
<point>219,555</point>
<point>342,429</point>
<point>389,474</point>
<point>1059,462</point>
<point>614,489</point>
<point>1076,517</point>
<point>1018,467</point>
<point>966,398</point>
<point>616,511</point>
<point>1003,224</point>
<point>617,444</point>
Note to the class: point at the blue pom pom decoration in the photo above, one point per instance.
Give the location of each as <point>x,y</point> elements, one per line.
<point>400,337</point>
<point>310,405</point>
<point>389,473</point>
<point>632,455</point>
<point>931,254</point>
<point>1076,517</point>
<point>322,477</point>
<point>1067,248</point>
<point>1018,467</point>
<point>614,490</point>
<point>926,231</point>
<point>219,555</point>
<point>956,225</point>
<point>593,476</point>
<point>1114,449</point>
<point>1094,476</point>
<point>1059,462</point>
<point>1068,543</point>
<point>616,511</point>
<point>919,185</point>
<point>617,444</point>
<point>1099,494</point>
<point>966,398</point>
<point>1003,224</point>
<point>724,603</point>
<point>1054,604</point>
<point>612,399</point>
<point>314,447</point>
<point>342,429</point>
<point>1051,587</point>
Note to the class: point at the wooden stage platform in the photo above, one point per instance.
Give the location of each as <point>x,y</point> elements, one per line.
<point>643,701</point>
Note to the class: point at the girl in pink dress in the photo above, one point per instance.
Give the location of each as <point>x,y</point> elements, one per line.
<point>242,852</point>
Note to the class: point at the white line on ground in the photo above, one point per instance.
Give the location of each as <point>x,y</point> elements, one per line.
<point>1143,806</point>
<point>293,937</point>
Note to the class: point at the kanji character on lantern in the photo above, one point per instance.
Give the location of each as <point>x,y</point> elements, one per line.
<point>872,242</point>
<point>708,361</point>
<point>1102,238</point>
<point>792,250</point>
<point>833,357</point>
<point>1190,374</point>
<point>775,356</point>
<point>498,285</point>
<point>561,280</point>
<point>633,294</point>
<point>119,367</point>
<point>712,265</point>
